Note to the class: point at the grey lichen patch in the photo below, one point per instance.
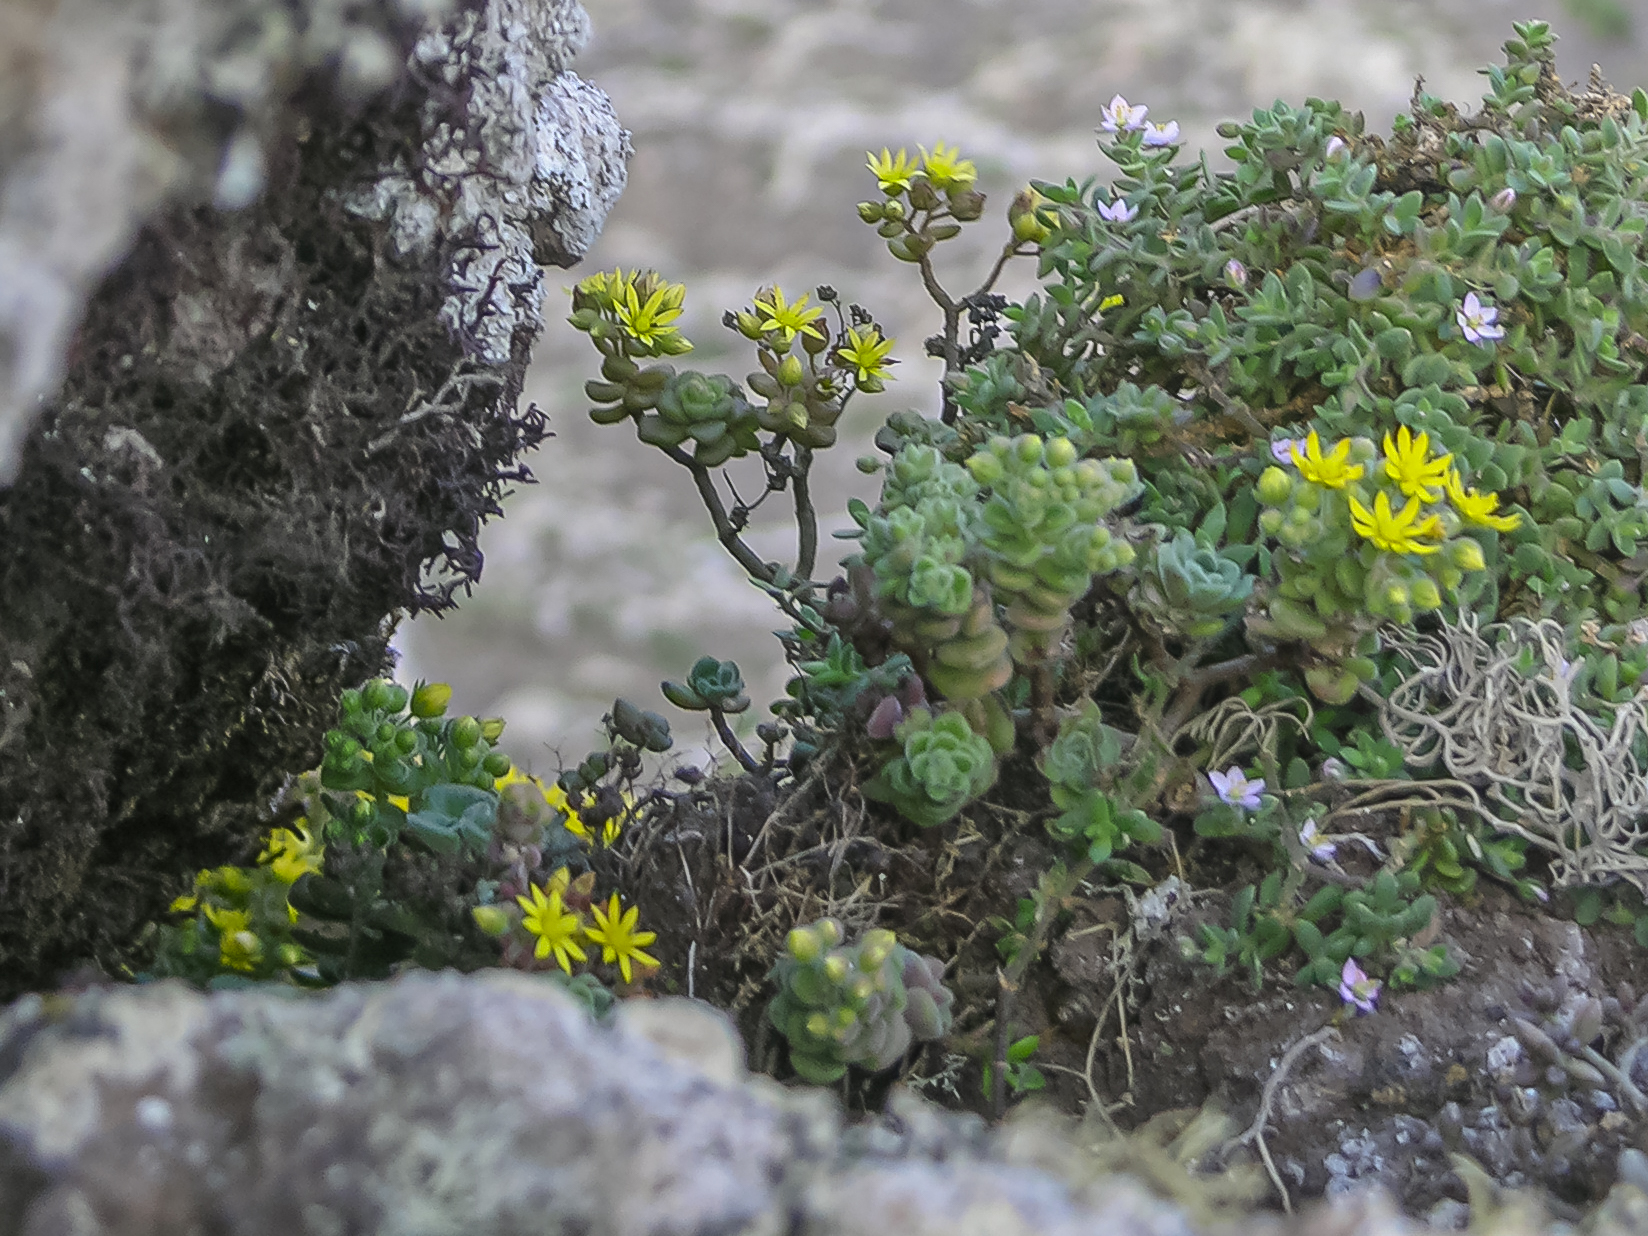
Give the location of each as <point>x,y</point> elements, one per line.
<point>517,171</point>
<point>110,112</point>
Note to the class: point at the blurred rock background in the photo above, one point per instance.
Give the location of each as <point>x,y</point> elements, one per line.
<point>750,121</point>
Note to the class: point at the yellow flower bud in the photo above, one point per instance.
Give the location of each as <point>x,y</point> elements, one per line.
<point>1467,555</point>
<point>835,968</point>
<point>790,372</point>
<point>1274,486</point>
<point>494,920</point>
<point>1425,594</point>
<point>803,944</point>
<point>1270,522</point>
<point>1061,453</point>
<point>430,699</point>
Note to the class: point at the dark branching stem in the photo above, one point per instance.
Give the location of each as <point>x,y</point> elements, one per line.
<point>730,740</point>
<point>998,1069</point>
<point>952,310</point>
<point>806,518</point>
<point>725,530</point>
<point>1188,698</point>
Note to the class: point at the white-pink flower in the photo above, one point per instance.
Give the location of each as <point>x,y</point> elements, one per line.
<point>1117,211</point>
<point>1316,845</point>
<point>1235,790</point>
<point>1479,321</point>
<point>1357,989</point>
<point>1161,134</point>
<point>1119,117</point>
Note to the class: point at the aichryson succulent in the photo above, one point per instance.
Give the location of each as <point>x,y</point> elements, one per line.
<point>943,767</point>
<point>1193,589</point>
<point>854,1005</point>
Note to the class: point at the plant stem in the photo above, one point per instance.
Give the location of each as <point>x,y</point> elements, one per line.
<point>806,518</point>
<point>725,532</point>
<point>730,740</point>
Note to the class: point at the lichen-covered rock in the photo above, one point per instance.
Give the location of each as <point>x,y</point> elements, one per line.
<point>493,1106</point>
<point>281,421</point>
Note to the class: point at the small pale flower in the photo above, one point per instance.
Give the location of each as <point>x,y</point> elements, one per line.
<point>1479,322</point>
<point>1366,285</point>
<point>1119,117</point>
<point>1161,134</point>
<point>1504,200</point>
<point>1317,846</point>
<point>1117,211</point>
<point>1235,274</point>
<point>1357,989</point>
<point>1283,449</point>
<point>1335,769</point>
<point>1235,790</point>
<point>1336,147</point>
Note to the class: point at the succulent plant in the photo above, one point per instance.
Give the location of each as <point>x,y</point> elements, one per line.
<point>1192,590</point>
<point>854,1005</point>
<point>710,684</point>
<point>708,410</point>
<point>944,766</point>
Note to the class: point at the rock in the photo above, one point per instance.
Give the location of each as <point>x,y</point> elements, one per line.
<point>297,249</point>
<point>493,1104</point>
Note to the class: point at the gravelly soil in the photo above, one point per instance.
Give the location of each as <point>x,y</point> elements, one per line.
<point>750,120</point>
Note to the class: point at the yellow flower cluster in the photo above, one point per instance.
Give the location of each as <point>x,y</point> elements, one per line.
<point>561,932</point>
<point>944,168</point>
<point>1420,477</point>
<point>224,896</point>
<point>641,305</point>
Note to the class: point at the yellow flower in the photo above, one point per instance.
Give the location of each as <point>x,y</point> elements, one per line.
<point>238,946</point>
<point>892,172</point>
<point>1330,470</point>
<point>866,351</point>
<point>946,169</point>
<point>615,933</point>
<point>1408,463</point>
<point>290,853</point>
<point>1478,508</point>
<point>606,288</point>
<point>1111,301</point>
<point>789,319</point>
<point>648,321</point>
<point>1399,532</point>
<point>556,929</point>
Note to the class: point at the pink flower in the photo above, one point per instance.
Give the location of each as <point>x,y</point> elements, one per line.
<point>1357,989</point>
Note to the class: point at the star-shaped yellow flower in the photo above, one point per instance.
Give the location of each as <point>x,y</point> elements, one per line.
<point>893,172</point>
<point>1408,463</point>
<point>648,321</point>
<point>944,168</point>
<point>238,946</point>
<point>1477,508</point>
<point>291,852</point>
<point>1330,470</point>
<point>1400,532</point>
<point>615,932</point>
<point>789,318</point>
<point>557,929</point>
<point>866,351</point>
